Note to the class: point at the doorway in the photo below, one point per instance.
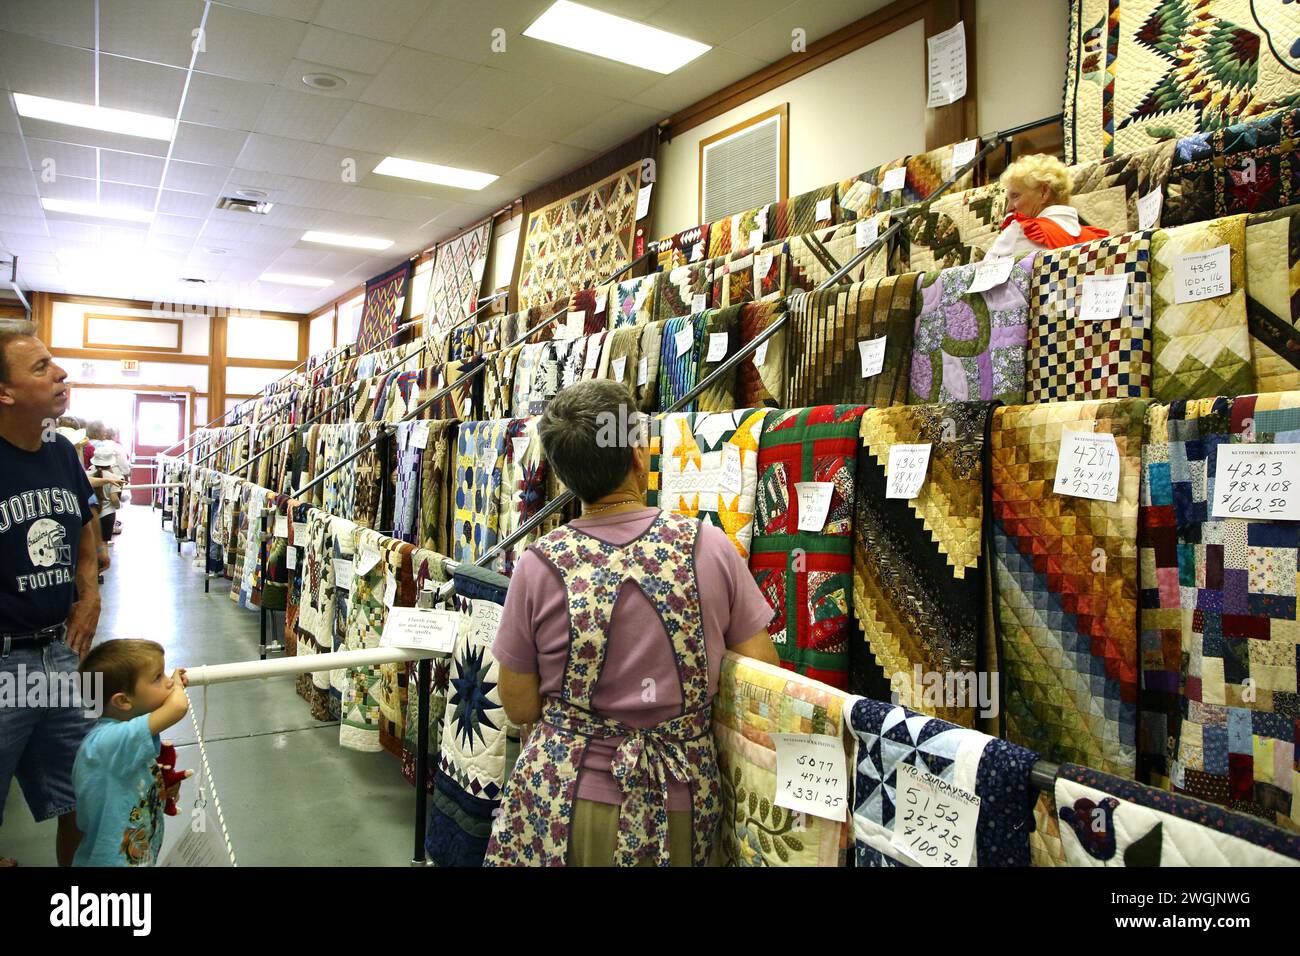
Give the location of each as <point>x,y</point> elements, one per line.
<point>159,423</point>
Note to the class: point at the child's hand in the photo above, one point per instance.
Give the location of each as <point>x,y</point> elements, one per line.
<point>178,695</point>
<point>180,675</point>
<point>174,791</point>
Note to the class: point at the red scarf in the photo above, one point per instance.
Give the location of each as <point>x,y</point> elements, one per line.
<point>1050,235</point>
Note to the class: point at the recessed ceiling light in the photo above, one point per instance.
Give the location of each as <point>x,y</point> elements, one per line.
<point>251,193</point>
<point>324,81</point>
<point>433,173</point>
<point>352,242</point>
<point>95,117</point>
<point>74,208</point>
<point>214,251</point>
<point>614,38</point>
<point>285,278</point>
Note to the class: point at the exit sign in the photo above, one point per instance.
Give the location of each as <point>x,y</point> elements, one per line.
<point>130,365</point>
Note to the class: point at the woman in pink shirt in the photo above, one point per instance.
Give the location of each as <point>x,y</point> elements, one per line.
<point>610,643</point>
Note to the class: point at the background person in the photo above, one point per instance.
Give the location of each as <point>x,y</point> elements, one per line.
<point>1039,214</point>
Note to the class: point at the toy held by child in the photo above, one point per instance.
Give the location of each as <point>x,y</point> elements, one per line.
<point>1039,214</point>
<point>171,776</point>
<point>120,785</point>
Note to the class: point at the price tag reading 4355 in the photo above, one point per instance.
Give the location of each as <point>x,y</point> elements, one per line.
<point>934,820</point>
<point>1257,481</point>
<point>811,775</point>
<point>1088,466</point>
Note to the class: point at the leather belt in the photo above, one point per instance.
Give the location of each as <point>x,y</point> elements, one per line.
<point>41,638</point>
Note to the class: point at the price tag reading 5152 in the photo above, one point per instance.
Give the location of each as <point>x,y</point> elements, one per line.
<point>934,820</point>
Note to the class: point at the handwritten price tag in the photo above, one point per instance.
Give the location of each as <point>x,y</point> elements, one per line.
<point>576,324</point>
<point>1088,466</point>
<point>520,443</point>
<point>343,573</point>
<point>592,358</point>
<point>907,467</point>
<point>732,479</point>
<point>866,232</point>
<point>699,303</point>
<point>300,532</point>
<point>1149,207</point>
<point>1103,298</point>
<point>872,352</point>
<point>281,526</point>
<point>390,591</point>
<point>755,238</point>
<point>1203,275</point>
<point>991,272</point>
<point>620,368</point>
<point>963,153</point>
<point>684,340</point>
<point>420,435</point>
<point>760,353</point>
<point>934,821</point>
<point>895,179</point>
<point>823,209</point>
<point>643,371</point>
<point>366,560</point>
<point>814,503</point>
<point>419,628</point>
<point>697,252</point>
<point>811,776</point>
<point>717,347</point>
<point>1257,481</point>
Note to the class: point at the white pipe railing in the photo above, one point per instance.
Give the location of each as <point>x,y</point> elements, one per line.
<point>279,667</point>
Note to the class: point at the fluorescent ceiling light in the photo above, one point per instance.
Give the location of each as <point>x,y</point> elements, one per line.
<point>433,173</point>
<point>95,117</point>
<point>285,278</point>
<point>75,208</point>
<point>614,38</point>
<point>352,242</point>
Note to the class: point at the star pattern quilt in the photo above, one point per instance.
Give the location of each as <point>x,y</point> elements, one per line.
<point>458,267</point>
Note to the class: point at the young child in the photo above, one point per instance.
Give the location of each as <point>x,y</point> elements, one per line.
<point>119,786</point>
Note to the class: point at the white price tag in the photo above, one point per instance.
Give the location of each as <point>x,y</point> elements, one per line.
<point>907,467</point>
<point>643,371</point>
<point>420,434</point>
<point>366,560</point>
<point>683,340</point>
<point>281,526</point>
<point>1203,275</point>
<point>643,200</point>
<point>1088,466</point>
<point>390,591</point>
<point>963,153</point>
<point>732,478</point>
<point>1257,481</point>
<point>755,238</point>
<point>593,353</point>
<point>814,503</point>
<point>823,209</point>
<point>490,456</point>
<point>700,302</point>
<point>427,629</point>
<point>201,845</point>
<point>620,367</point>
<point>300,532</point>
<point>947,66</point>
<point>602,301</point>
<point>1149,207</point>
<point>991,272</point>
<point>760,353</point>
<point>934,820</point>
<point>811,776</point>
<point>343,573</point>
<point>762,266</point>
<point>717,347</point>
<point>1102,298</point>
<point>872,352</point>
<point>291,558</point>
<point>697,252</point>
<point>520,443</point>
<point>576,324</point>
<point>866,232</point>
<point>895,179</point>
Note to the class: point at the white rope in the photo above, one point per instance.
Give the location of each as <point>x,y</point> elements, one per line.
<point>202,800</point>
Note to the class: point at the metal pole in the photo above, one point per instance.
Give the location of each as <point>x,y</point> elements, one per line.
<point>282,666</point>
<point>423,679</point>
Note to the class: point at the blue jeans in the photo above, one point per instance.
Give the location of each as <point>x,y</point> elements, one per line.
<point>39,744</point>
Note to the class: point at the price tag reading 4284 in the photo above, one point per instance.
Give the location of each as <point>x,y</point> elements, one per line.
<point>1088,466</point>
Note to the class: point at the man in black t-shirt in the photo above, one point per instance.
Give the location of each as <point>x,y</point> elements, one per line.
<point>49,588</point>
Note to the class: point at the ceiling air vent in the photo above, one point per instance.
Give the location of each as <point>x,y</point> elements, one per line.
<point>236,204</point>
<point>194,281</point>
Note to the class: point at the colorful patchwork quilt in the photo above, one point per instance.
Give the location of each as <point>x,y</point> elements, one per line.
<point>1273,297</point>
<point>680,291</point>
<point>721,332</point>
<point>480,454</point>
<point>633,301</point>
<point>382,307</point>
<point>525,484</point>
<point>689,245</point>
<point>815,256</point>
<point>679,368</point>
<point>437,491</point>
<point>367,612</point>
<point>799,214</point>
<point>1105,192</point>
<point>458,267</point>
<point>760,379</point>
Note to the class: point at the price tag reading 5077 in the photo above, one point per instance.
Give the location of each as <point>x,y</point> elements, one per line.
<point>1088,466</point>
<point>811,775</point>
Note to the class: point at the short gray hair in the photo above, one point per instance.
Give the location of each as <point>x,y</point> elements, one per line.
<point>587,433</point>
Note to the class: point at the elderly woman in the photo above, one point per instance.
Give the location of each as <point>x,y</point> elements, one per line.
<point>611,640</point>
<point>1039,214</point>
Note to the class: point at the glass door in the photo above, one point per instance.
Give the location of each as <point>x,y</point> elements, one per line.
<point>159,423</point>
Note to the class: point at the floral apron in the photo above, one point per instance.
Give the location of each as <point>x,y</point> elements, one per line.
<point>532,828</point>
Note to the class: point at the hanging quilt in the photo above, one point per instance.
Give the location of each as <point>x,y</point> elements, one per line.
<point>971,345</point>
<point>646,389</point>
<point>487,336</point>
<point>679,367</point>
<point>525,483</point>
<point>807,575</point>
<point>738,232</point>
<point>1273,297</point>
<point>593,306</point>
<point>382,308</point>
<point>918,565</point>
<point>754,701</point>
<point>633,300</point>
<point>1072,360</point>
<point>804,213</point>
<point>458,267</point>
<point>928,171</point>
<point>694,448</point>
<point>531,359</point>
<point>1249,167</point>
<point>689,245</point>
<point>721,339</point>
<point>1200,349</point>
<point>682,291</point>
<point>437,486</point>
<point>1066,586</point>
<point>343,538</point>
<point>1106,192</point>
<point>390,692</point>
<point>863,195</point>
<point>760,378</point>
<point>1219,619</point>
<point>367,612</point>
<point>579,240</point>
<point>1143,70</point>
<point>825,361</point>
<point>316,610</point>
<point>426,566</point>
<point>994,770</point>
<point>975,216</point>
<point>461,343</point>
<point>499,382</point>
<point>1108,821</point>
<point>815,256</point>
<point>736,279</point>
<point>480,448</point>
<point>623,355</point>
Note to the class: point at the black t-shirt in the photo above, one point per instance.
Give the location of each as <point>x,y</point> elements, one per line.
<point>44,501</point>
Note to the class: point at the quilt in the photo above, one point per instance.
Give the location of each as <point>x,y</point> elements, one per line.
<point>863,195</point>
<point>1200,349</point>
<point>679,368</point>
<point>971,345</point>
<point>1105,192</point>
<point>458,267</point>
<point>919,572</point>
<point>437,486</point>
<point>799,214</point>
<point>1219,619</point>
<point>382,307</point>
<point>1071,360</point>
<point>1066,585</point>
<point>480,453</point>
<point>622,356</point>
<point>813,257</point>
<point>646,388</point>
<point>689,245</point>
<point>526,485</point>
<point>1273,297</point>
<point>760,378</point>
<point>807,575</point>
<point>1144,70</point>
<point>426,567</point>
<point>926,172</point>
<point>721,332</point>
<point>680,291</point>
<point>366,614</point>
<point>633,300</point>
<point>737,279</point>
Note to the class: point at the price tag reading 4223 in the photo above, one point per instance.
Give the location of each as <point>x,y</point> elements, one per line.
<point>934,820</point>
<point>1088,466</point>
<point>1257,481</point>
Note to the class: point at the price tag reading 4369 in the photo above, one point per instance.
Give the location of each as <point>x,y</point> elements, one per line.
<point>1088,466</point>
<point>811,775</point>
<point>934,820</point>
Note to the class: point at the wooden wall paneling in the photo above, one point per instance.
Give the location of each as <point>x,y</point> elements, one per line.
<point>86,318</point>
<point>217,363</point>
<point>304,339</point>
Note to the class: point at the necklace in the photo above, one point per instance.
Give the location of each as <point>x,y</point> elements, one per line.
<point>588,512</point>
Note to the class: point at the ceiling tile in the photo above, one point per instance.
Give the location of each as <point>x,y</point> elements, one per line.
<point>488,97</point>
<point>141,87</point>
<point>25,226</point>
<point>274,154</point>
<point>193,205</point>
<point>195,177</point>
<point>301,218</point>
<point>57,132</point>
<point>176,225</point>
<point>464,30</point>
<point>616,126</point>
<point>51,159</point>
<point>46,69</point>
<point>389,20</point>
<point>500,152</point>
<point>334,164</point>
<point>725,18</point>
<point>132,197</point>
<point>132,168</point>
<point>300,115</point>
<point>434,140</point>
<point>70,22</point>
<point>347,51</point>
<point>247,46</point>
<point>69,188</point>
<point>180,244</point>
<point>73,232</point>
<point>12,152</point>
<point>771,39</point>
<point>280,188</point>
<point>563,111</point>
<point>303,10</point>
<point>157,30</point>
<point>220,101</point>
<point>371,128</point>
<point>550,162</point>
<point>416,81</point>
<point>697,79</point>
<point>31,244</point>
<point>208,144</point>
<point>566,67</point>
